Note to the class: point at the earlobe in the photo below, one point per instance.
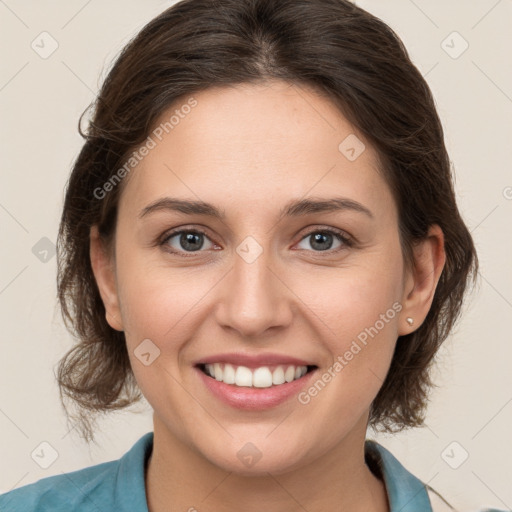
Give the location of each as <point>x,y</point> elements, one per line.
<point>103,268</point>
<point>422,280</point>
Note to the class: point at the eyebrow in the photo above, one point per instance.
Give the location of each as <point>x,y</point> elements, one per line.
<point>294,208</point>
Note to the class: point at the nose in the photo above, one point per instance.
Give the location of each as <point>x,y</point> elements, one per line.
<point>254,299</point>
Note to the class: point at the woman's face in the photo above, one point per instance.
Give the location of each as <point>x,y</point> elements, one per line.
<point>268,278</point>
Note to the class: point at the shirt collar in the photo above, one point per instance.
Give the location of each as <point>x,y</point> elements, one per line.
<point>406,493</point>
<point>130,488</point>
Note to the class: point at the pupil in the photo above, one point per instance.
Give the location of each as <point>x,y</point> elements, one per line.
<point>191,241</point>
<point>320,238</point>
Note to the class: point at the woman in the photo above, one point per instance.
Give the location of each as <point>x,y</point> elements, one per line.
<point>260,235</point>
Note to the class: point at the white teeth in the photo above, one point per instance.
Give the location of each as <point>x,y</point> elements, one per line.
<point>208,368</point>
<point>217,371</point>
<point>261,377</point>
<point>229,374</point>
<point>289,374</point>
<point>278,376</point>
<point>243,376</point>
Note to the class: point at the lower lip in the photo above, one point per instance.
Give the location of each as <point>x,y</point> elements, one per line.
<point>254,399</point>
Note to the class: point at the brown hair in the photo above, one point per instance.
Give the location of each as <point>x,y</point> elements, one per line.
<point>342,52</point>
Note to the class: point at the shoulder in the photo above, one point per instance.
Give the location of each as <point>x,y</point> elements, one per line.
<point>405,491</point>
<point>439,504</point>
<point>108,486</point>
<point>77,490</point>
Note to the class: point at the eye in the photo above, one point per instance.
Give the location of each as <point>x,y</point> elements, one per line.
<point>186,241</point>
<point>322,240</point>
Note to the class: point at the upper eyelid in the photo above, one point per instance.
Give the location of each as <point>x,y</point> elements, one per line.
<point>171,233</point>
<point>344,237</point>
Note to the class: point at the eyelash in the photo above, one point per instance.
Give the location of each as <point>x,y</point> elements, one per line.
<point>340,235</point>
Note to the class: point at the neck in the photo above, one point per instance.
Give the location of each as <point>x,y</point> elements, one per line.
<point>179,478</point>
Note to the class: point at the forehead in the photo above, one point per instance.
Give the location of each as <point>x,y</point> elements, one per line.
<point>259,145</point>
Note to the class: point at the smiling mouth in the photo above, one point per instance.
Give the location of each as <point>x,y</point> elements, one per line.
<point>260,377</point>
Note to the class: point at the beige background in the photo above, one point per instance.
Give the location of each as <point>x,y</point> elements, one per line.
<point>41,100</point>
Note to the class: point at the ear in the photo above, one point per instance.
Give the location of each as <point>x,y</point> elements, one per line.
<point>103,267</point>
<point>421,281</point>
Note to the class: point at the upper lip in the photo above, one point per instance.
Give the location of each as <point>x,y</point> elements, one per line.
<point>254,361</point>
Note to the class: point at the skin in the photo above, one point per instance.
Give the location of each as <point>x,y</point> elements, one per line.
<point>249,150</point>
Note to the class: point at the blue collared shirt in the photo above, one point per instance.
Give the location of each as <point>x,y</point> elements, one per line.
<point>119,486</point>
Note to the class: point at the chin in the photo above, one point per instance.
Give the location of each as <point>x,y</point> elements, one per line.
<point>257,458</point>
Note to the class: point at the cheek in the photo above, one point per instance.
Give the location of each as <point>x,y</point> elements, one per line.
<point>348,300</point>
<point>358,316</point>
<point>156,300</point>
<point>357,310</point>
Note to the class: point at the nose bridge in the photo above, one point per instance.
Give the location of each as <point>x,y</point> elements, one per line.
<point>254,299</point>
